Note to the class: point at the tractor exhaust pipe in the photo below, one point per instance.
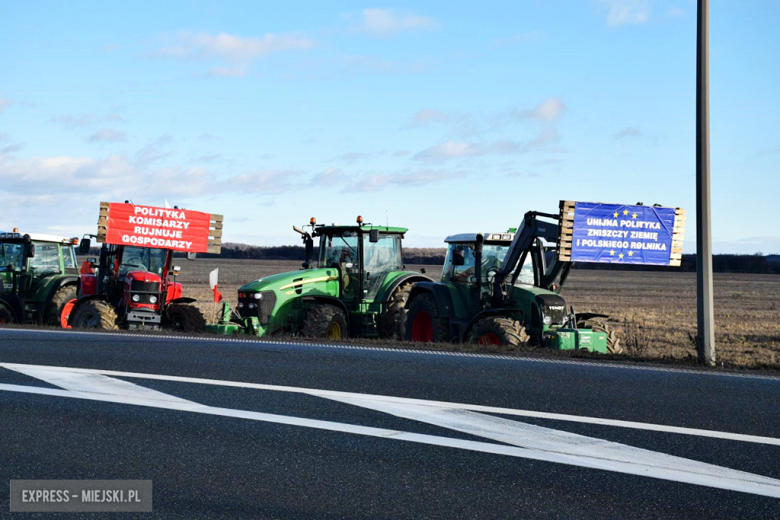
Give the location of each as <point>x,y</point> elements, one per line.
<point>478,268</point>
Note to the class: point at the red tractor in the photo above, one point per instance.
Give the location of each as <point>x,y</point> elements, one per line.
<point>133,284</point>
<point>132,287</point>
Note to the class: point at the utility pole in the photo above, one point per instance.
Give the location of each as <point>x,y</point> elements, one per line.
<point>705,346</point>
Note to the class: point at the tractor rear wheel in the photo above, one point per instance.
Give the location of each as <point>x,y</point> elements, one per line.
<point>326,322</point>
<point>95,314</point>
<point>59,307</point>
<point>499,330</point>
<point>6,316</point>
<point>394,320</point>
<point>183,317</point>
<point>423,323</point>
<point>599,325</point>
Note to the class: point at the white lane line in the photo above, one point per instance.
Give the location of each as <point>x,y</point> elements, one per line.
<point>444,404</point>
<point>584,452</point>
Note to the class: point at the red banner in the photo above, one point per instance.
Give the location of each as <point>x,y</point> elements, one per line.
<point>162,228</point>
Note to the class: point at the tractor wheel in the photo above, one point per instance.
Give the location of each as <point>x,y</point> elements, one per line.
<point>394,320</point>
<point>326,322</point>
<point>182,317</point>
<point>423,324</point>
<point>598,325</point>
<point>6,316</point>
<point>95,314</point>
<point>499,330</point>
<point>60,306</point>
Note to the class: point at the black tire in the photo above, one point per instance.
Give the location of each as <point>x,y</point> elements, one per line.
<point>94,314</point>
<point>6,316</point>
<point>53,313</point>
<point>499,330</point>
<point>183,317</point>
<point>394,320</point>
<point>423,322</point>
<point>599,325</point>
<point>325,321</point>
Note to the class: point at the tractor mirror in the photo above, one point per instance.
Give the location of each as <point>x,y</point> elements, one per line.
<point>30,250</point>
<point>458,257</point>
<point>84,246</point>
<point>175,269</point>
<point>191,256</point>
<point>91,261</point>
<point>373,236</point>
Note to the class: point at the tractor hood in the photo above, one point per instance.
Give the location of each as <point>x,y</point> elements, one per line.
<point>322,281</point>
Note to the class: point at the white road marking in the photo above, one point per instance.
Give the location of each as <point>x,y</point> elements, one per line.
<point>444,404</point>
<point>528,441</point>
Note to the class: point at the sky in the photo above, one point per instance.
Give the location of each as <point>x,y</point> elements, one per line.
<point>443,117</point>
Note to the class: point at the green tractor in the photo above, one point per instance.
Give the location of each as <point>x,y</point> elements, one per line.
<point>502,289</point>
<point>359,288</point>
<point>39,278</point>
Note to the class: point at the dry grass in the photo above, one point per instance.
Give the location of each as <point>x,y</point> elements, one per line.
<point>656,312</point>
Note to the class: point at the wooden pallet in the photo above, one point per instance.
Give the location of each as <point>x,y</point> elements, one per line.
<point>566,231</point>
<point>215,229</point>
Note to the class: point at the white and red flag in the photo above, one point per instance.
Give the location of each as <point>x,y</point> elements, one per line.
<point>214,283</point>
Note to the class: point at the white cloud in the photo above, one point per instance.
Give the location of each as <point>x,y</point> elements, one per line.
<point>4,103</point>
<point>109,47</point>
<point>85,120</point>
<point>428,116</point>
<point>381,23</point>
<point>12,148</point>
<point>107,135</point>
<point>351,157</point>
<point>4,137</point>
<point>373,63</point>
<point>263,181</point>
<point>622,12</point>
<point>407,178</point>
<point>461,150</point>
<point>236,52</point>
<point>328,178</point>
<point>550,109</point>
<point>675,12</point>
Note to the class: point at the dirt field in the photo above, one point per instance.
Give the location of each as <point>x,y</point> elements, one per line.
<point>655,311</point>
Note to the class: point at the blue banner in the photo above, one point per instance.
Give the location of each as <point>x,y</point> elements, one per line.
<point>619,234</point>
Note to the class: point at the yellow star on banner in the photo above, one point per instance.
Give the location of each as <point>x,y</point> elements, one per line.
<point>633,215</point>
<point>615,214</point>
<point>612,253</point>
<point>625,212</point>
<point>620,256</point>
<point>630,253</point>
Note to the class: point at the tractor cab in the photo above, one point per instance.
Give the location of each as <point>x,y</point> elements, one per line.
<point>37,274</point>
<point>363,255</point>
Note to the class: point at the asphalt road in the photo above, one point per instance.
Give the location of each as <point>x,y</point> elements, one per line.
<point>240,429</point>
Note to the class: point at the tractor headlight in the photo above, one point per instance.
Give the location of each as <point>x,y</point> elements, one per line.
<point>136,297</point>
<point>152,299</point>
<point>258,296</point>
<point>240,305</point>
<point>251,305</point>
<point>547,320</point>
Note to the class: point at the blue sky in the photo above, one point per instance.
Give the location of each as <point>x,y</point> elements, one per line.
<point>442,117</point>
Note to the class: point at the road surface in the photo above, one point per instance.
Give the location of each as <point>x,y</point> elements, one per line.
<point>247,429</point>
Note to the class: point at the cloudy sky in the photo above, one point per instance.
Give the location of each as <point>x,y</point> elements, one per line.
<point>442,117</point>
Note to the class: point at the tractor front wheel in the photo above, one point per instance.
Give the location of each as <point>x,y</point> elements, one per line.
<point>599,325</point>
<point>95,314</point>
<point>6,316</point>
<point>423,323</point>
<point>326,322</point>
<point>60,306</point>
<point>499,330</point>
<point>182,317</point>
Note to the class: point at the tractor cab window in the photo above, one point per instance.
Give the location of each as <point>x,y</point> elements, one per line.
<point>339,250</point>
<point>142,259</point>
<point>459,273</point>
<point>10,254</point>
<point>46,260</point>
<point>379,258</point>
<point>69,252</point>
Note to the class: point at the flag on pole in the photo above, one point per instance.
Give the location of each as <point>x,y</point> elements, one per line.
<point>214,283</point>
<point>167,206</point>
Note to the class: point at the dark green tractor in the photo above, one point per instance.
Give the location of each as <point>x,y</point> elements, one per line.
<point>359,288</point>
<point>502,289</point>
<point>39,278</point>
